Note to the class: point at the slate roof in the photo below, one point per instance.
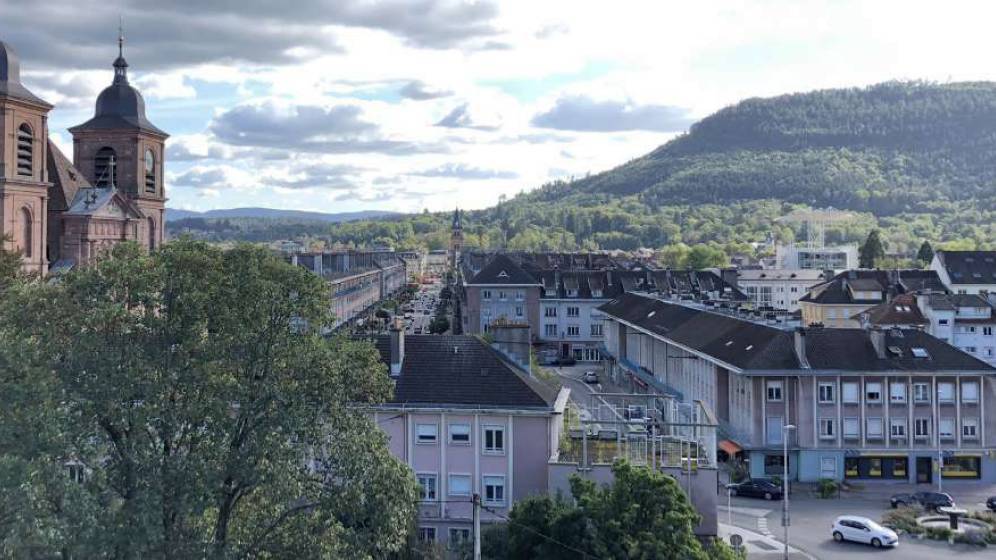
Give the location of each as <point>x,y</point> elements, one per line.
<point>502,270</point>
<point>66,179</point>
<point>969,267</point>
<point>90,201</point>
<point>120,107</point>
<point>472,375</point>
<point>755,347</point>
<point>838,290</point>
<point>10,78</point>
<point>902,310</point>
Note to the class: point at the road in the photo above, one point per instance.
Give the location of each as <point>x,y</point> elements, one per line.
<point>424,304</point>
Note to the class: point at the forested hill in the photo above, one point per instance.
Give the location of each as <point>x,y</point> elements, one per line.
<point>890,148</point>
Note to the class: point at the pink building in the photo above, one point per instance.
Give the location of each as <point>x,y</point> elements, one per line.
<point>467,422</point>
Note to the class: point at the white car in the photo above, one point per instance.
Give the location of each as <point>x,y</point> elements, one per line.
<point>863,530</point>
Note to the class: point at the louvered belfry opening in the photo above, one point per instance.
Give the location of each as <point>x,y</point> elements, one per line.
<point>105,168</point>
<point>25,151</point>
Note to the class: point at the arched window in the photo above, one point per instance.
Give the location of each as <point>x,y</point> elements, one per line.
<point>27,239</point>
<point>152,234</point>
<point>105,167</point>
<point>25,150</point>
<point>150,171</point>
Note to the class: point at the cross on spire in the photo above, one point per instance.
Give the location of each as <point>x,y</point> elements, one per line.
<point>120,66</point>
<point>120,36</point>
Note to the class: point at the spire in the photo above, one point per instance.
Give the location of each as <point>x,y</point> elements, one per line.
<point>456,218</point>
<point>120,65</point>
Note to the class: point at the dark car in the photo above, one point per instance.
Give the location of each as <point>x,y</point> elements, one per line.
<point>929,500</point>
<point>566,361</point>
<point>757,488</point>
<point>991,503</point>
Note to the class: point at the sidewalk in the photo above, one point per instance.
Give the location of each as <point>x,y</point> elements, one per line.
<point>760,547</point>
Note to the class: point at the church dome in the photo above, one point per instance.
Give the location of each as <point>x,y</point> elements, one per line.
<point>10,77</point>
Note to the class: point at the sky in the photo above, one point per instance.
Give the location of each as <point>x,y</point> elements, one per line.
<point>400,105</point>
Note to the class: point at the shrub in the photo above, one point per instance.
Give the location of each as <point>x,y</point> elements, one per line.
<point>903,519</point>
<point>939,533</point>
<point>827,488</point>
<point>976,538</point>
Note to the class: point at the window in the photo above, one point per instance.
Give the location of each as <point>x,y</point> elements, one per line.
<point>27,229</point>
<point>105,168</point>
<point>549,311</point>
<point>518,311</point>
<point>76,472</point>
<point>494,439</point>
<point>826,428</point>
<point>550,330</point>
<point>485,294</point>
<point>460,434</point>
<point>573,330</point>
<point>850,392</point>
<point>897,428</point>
<point>596,329</point>
<point>988,331</point>
<point>573,311</point>
<point>945,428</point>
<point>459,485</point>
<point>826,392</point>
<point>969,428</point>
<point>921,428</point>
<point>458,537</point>
<point>520,295</point>
<point>774,391</point>
<point>873,428</point>
<point>970,392</point>
<point>897,392</point>
<point>502,295</point>
<point>942,321</point>
<point>873,392</point>
<point>851,428</point>
<point>945,392</point>
<point>494,490</point>
<point>774,464</point>
<point>427,486</point>
<point>921,392</point>
<point>426,433</point>
<point>426,534</point>
<point>150,171</point>
<point>25,150</point>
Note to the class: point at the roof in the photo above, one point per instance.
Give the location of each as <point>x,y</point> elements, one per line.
<point>969,267</point>
<point>785,274</point>
<point>460,370</point>
<point>502,270</point>
<point>105,201</point>
<point>840,289</point>
<point>751,346</point>
<point>902,310</point>
<point>66,179</point>
<point>120,107</point>
<point>10,78</point>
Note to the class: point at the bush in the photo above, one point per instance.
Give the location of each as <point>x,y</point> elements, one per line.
<point>903,519</point>
<point>976,538</point>
<point>827,488</point>
<point>939,533</point>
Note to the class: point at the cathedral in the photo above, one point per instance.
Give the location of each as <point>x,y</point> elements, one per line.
<point>59,213</point>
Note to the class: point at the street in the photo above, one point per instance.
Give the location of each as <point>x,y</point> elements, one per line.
<point>423,308</point>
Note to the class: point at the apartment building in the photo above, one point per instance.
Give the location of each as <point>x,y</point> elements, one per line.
<point>870,404</point>
<point>840,301</point>
<point>778,288</point>
<point>966,272</point>
<point>816,256</point>
<point>467,422</point>
<point>966,321</point>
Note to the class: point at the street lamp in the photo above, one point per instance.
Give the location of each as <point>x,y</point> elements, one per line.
<point>785,479</point>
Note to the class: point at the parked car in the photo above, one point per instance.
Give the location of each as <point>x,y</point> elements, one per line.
<point>756,488</point>
<point>566,361</point>
<point>863,530</point>
<point>590,377</point>
<point>991,503</point>
<point>929,500</point>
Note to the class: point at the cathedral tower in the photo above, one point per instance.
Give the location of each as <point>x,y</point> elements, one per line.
<point>456,240</point>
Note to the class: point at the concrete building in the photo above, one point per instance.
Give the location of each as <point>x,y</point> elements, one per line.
<point>871,404</point>
<point>816,256</point>
<point>467,422</point>
<point>966,272</point>
<point>778,288</point>
<point>966,321</point>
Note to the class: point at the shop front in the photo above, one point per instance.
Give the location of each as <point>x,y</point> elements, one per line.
<point>964,467</point>
<point>877,467</point>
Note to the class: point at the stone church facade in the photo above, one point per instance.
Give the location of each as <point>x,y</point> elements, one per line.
<point>59,213</point>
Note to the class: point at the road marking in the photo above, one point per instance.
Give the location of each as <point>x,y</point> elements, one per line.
<point>762,527</point>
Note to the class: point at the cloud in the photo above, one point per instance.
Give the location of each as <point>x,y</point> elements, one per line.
<point>420,91</point>
<point>461,171</point>
<point>319,176</point>
<point>460,117</point>
<point>80,33</point>
<point>584,114</point>
<point>205,178</point>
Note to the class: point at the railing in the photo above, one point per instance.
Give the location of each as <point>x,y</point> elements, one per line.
<point>648,377</point>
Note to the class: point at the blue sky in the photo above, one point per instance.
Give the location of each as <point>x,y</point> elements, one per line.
<point>344,105</point>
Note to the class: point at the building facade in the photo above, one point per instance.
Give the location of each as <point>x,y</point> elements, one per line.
<point>61,214</point>
<point>840,301</point>
<point>778,288</point>
<point>966,272</point>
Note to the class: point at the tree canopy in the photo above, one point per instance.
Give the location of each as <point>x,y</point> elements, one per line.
<point>176,405</point>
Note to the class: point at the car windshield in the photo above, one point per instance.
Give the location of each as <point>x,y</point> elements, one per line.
<point>872,525</point>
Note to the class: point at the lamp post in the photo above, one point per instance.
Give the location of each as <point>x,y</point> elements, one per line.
<point>785,480</point>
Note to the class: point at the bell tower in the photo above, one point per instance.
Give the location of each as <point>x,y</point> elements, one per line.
<point>456,239</point>
<point>120,149</point>
<point>23,165</point>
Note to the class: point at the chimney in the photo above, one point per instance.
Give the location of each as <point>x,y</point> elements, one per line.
<point>800,348</point>
<point>397,334</point>
<point>877,337</point>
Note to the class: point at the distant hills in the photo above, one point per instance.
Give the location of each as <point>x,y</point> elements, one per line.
<point>173,214</point>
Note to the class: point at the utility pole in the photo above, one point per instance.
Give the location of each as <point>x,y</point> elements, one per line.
<point>785,485</point>
<point>477,527</point>
<point>940,470</point>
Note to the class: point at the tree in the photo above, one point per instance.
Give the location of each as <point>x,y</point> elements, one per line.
<point>705,256</point>
<point>10,264</point>
<point>209,415</point>
<point>643,514</point>
<point>872,250</point>
<point>926,253</point>
<point>439,325</point>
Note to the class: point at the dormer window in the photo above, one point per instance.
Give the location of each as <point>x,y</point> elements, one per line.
<point>25,150</point>
<point>150,171</point>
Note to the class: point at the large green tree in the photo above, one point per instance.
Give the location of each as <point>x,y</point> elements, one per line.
<point>926,253</point>
<point>207,414</point>
<point>871,251</point>
<point>642,514</point>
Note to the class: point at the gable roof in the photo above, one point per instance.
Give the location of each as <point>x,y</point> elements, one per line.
<point>969,267</point>
<point>460,370</point>
<point>66,179</point>
<point>840,289</point>
<point>92,201</point>
<point>902,310</point>
<point>502,270</point>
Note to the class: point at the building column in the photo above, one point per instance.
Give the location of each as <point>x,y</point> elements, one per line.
<point>839,397</point>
